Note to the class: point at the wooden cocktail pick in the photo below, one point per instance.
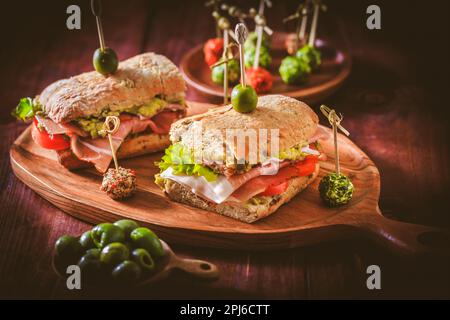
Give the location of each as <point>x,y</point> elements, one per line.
<point>335,188</point>
<point>301,15</point>
<point>261,26</point>
<point>241,34</point>
<point>215,4</point>
<point>105,59</point>
<point>118,182</point>
<point>317,4</point>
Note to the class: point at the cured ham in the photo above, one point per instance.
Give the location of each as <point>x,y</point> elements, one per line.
<point>320,134</point>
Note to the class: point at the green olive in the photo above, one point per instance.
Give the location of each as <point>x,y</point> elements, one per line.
<point>86,240</point>
<point>143,259</point>
<point>294,71</point>
<point>90,265</point>
<point>310,55</point>
<point>114,253</point>
<point>106,233</point>
<point>148,240</point>
<point>68,249</point>
<point>106,61</point>
<point>336,189</point>
<point>127,272</point>
<point>127,226</point>
<point>244,99</point>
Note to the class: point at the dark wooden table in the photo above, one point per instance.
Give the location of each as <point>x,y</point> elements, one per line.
<point>394,105</point>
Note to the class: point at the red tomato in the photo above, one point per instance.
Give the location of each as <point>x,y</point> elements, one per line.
<point>276,189</point>
<point>48,141</point>
<point>307,166</point>
<point>213,50</point>
<point>260,79</point>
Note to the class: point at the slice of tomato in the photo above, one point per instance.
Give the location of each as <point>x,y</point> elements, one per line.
<point>276,189</point>
<point>307,166</point>
<point>48,141</point>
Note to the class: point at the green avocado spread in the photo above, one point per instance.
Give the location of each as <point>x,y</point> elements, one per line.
<point>94,124</point>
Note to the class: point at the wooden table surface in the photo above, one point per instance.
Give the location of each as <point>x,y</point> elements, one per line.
<point>394,107</point>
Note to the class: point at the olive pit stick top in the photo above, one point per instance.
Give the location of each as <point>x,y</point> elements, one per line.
<point>96,7</point>
<point>241,34</point>
<point>335,121</point>
<point>111,125</point>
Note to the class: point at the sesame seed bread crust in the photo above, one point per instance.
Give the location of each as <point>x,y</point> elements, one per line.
<point>136,81</point>
<point>296,122</point>
<point>248,214</point>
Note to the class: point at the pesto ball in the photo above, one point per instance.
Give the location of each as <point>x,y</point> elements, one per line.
<point>310,55</point>
<point>264,57</point>
<point>233,72</point>
<point>294,71</point>
<point>250,42</point>
<point>336,189</point>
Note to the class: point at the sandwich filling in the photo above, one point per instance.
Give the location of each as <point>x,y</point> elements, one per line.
<point>83,135</point>
<point>242,183</point>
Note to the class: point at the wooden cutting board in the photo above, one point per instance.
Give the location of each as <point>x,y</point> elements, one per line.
<point>301,222</point>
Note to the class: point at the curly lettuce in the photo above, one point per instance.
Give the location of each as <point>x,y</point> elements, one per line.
<point>26,109</point>
<point>181,160</point>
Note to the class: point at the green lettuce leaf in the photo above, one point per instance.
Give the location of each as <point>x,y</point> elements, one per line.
<point>181,160</point>
<point>26,109</point>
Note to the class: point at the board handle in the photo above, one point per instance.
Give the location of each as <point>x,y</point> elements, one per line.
<point>197,268</point>
<point>407,238</point>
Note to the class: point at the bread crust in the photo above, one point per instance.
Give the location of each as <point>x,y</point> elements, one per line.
<point>131,147</point>
<point>248,214</point>
<point>296,122</point>
<point>136,81</point>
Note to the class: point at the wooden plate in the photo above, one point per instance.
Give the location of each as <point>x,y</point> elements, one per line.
<point>303,221</point>
<point>335,69</point>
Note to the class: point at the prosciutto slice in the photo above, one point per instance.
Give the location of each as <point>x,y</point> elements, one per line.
<point>98,151</point>
<point>320,134</point>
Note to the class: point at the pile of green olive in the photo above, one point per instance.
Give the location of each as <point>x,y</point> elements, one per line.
<point>296,69</point>
<point>121,251</point>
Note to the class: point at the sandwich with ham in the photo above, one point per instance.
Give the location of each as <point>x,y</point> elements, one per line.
<point>147,93</point>
<point>210,172</point>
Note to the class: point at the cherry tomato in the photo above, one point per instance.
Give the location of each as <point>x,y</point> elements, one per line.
<point>213,50</point>
<point>260,79</point>
<point>276,189</point>
<point>48,141</point>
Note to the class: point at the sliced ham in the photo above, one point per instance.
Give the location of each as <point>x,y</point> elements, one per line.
<point>98,151</point>
<point>320,134</point>
<point>220,190</point>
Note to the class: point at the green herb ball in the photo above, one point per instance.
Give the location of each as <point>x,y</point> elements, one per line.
<point>294,71</point>
<point>252,38</point>
<point>336,189</point>
<point>310,55</point>
<point>264,57</point>
<point>233,72</point>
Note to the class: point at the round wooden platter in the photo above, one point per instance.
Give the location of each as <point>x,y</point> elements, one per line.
<point>301,222</point>
<point>335,68</point>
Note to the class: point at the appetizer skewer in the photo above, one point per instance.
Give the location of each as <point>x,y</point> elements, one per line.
<point>335,188</point>
<point>243,97</point>
<point>105,59</point>
<point>118,183</point>
<point>259,78</point>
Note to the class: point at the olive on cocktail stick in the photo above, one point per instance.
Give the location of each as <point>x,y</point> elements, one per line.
<point>335,188</point>
<point>243,97</point>
<point>105,59</point>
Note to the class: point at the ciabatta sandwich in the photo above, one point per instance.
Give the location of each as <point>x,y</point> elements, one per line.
<point>207,167</point>
<point>147,93</point>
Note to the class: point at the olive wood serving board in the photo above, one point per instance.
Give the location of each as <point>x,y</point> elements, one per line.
<point>335,68</point>
<point>301,222</point>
